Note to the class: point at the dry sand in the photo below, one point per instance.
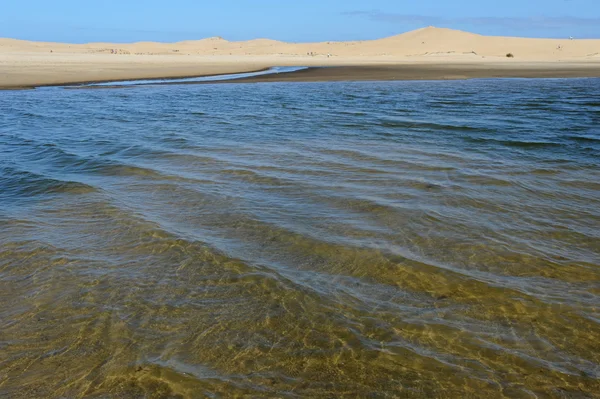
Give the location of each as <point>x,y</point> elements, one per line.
<point>425,53</point>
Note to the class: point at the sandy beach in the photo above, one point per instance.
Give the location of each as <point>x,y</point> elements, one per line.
<point>429,53</point>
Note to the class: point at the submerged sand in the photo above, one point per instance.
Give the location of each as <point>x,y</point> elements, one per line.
<point>431,50</point>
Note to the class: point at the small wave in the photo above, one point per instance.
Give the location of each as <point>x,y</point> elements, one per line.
<point>543,172</point>
<point>175,140</point>
<point>360,126</point>
<point>352,113</point>
<point>529,144</point>
<point>585,139</point>
<point>251,176</point>
<point>514,143</point>
<point>456,103</point>
<point>431,126</point>
<point>32,115</point>
<point>118,169</point>
<point>581,184</point>
<point>24,184</point>
<point>61,160</point>
<point>589,104</point>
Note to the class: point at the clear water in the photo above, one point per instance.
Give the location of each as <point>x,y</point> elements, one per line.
<point>397,239</point>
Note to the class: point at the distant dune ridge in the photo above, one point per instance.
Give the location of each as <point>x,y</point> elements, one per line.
<point>421,42</point>
<point>24,63</point>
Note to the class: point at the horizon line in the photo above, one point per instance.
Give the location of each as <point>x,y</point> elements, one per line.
<point>296,42</point>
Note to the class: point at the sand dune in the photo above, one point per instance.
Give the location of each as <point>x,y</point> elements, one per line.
<point>419,42</point>
<point>24,63</point>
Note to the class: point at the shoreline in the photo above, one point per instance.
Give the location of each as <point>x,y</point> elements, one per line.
<point>87,83</point>
<point>405,72</point>
<point>341,73</point>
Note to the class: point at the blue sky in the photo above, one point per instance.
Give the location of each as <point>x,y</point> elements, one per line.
<point>80,21</point>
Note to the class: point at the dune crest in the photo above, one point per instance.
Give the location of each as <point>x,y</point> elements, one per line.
<point>420,42</point>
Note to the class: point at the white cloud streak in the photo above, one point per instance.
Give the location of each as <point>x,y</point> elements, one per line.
<point>510,22</point>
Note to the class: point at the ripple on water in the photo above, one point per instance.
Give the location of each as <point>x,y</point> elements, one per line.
<point>22,184</point>
<point>386,239</point>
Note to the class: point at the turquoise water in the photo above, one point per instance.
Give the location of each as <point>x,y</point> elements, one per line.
<point>393,239</point>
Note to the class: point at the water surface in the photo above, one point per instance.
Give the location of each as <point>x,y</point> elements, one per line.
<point>213,78</point>
<point>397,239</point>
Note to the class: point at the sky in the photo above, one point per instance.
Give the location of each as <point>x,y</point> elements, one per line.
<point>81,21</point>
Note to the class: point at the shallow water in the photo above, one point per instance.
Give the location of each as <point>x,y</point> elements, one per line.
<point>397,239</point>
<point>213,78</point>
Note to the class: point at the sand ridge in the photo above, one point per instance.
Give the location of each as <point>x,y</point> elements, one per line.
<point>419,42</point>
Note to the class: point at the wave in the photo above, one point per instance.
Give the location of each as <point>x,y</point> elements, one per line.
<point>16,183</point>
<point>431,126</point>
<point>58,160</point>
<point>585,139</point>
<point>514,143</point>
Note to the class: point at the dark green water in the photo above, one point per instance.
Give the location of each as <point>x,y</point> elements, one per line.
<point>398,239</point>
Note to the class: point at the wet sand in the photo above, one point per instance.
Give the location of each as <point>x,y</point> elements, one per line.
<point>427,72</point>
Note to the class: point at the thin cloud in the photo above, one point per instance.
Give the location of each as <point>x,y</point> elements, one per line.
<point>510,22</point>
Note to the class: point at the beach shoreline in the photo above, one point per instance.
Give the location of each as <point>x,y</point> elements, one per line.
<point>87,84</point>
<point>399,72</point>
<point>328,73</point>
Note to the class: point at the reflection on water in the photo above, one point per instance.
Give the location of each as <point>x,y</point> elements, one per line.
<point>408,239</point>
